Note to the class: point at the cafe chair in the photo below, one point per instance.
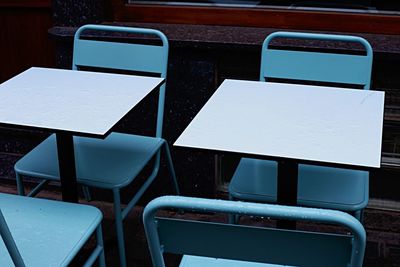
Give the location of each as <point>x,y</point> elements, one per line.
<point>219,244</point>
<point>46,233</point>
<point>115,162</point>
<point>322,187</point>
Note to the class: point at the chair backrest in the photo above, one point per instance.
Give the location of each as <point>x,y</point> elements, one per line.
<point>124,56</point>
<point>351,69</point>
<point>11,247</point>
<point>249,243</point>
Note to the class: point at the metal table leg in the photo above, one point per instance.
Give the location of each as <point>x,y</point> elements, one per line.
<point>287,188</point>
<point>66,163</point>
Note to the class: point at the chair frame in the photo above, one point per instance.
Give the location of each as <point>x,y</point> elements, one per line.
<point>9,242</point>
<point>266,53</point>
<point>315,60</point>
<point>97,253</point>
<point>160,240</point>
<point>82,58</point>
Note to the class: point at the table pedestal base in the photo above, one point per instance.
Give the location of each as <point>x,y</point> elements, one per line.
<point>287,188</point>
<point>66,163</point>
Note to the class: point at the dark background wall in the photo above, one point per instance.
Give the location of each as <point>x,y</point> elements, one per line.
<point>24,40</point>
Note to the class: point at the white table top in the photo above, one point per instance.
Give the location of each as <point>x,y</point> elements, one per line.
<point>313,123</point>
<point>75,101</point>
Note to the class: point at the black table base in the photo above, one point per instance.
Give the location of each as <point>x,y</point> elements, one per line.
<point>287,188</point>
<point>66,163</point>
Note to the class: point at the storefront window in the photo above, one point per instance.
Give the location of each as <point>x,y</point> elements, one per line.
<point>361,6</point>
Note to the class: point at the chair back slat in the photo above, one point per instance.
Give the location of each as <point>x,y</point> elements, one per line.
<point>323,67</point>
<point>251,243</point>
<point>120,56</point>
<point>330,67</point>
<point>254,244</point>
<point>124,56</point>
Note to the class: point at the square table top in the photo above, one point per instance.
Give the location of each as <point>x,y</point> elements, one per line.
<point>301,122</point>
<point>69,100</point>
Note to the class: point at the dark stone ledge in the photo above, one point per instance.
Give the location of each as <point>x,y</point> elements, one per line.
<point>230,37</point>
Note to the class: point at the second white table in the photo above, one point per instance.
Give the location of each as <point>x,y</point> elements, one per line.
<point>291,124</point>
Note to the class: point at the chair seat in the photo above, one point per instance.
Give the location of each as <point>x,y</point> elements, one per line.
<point>196,261</point>
<point>106,163</point>
<point>46,232</point>
<point>324,187</point>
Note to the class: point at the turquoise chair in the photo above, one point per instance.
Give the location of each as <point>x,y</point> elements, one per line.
<point>322,187</point>
<point>116,161</point>
<point>46,233</point>
<point>218,244</point>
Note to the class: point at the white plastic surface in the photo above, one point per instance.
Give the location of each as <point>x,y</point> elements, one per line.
<point>76,101</point>
<point>325,124</point>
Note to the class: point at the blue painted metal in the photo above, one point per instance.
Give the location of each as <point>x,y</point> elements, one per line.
<point>250,243</point>
<point>134,57</point>
<point>318,186</point>
<point>188,261</point>
<point>114,162</point>
<point>228,242</point>
<point>314,66</point>
<point>119,55</point>
<point>324,187</point>
<point>47,232</point>
<point>291,65</point>
<point>9,243</point>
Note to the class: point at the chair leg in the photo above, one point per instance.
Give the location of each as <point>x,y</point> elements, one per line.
<point>171,167</point>
<point>98,252</point>
<point>99,237</point>
<point>34,191</point>
<point>20,184</point>
<point>9,242</point>
<point>38,188</point>
<point>119,227</point>
<point>232,218</point>
<point>86,193</point>
<point>359,214</point>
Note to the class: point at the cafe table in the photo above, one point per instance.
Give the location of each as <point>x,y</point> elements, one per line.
<point>68,103</point>
<point>291,124</point>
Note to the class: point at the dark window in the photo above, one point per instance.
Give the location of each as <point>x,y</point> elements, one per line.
<point>361,6</point>
<point>359,16</point>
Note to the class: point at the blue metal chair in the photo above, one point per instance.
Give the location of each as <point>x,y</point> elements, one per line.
<point>39,232</point>
<point>323,187</point>
<point>219,244</point>
<point>114,162</point>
